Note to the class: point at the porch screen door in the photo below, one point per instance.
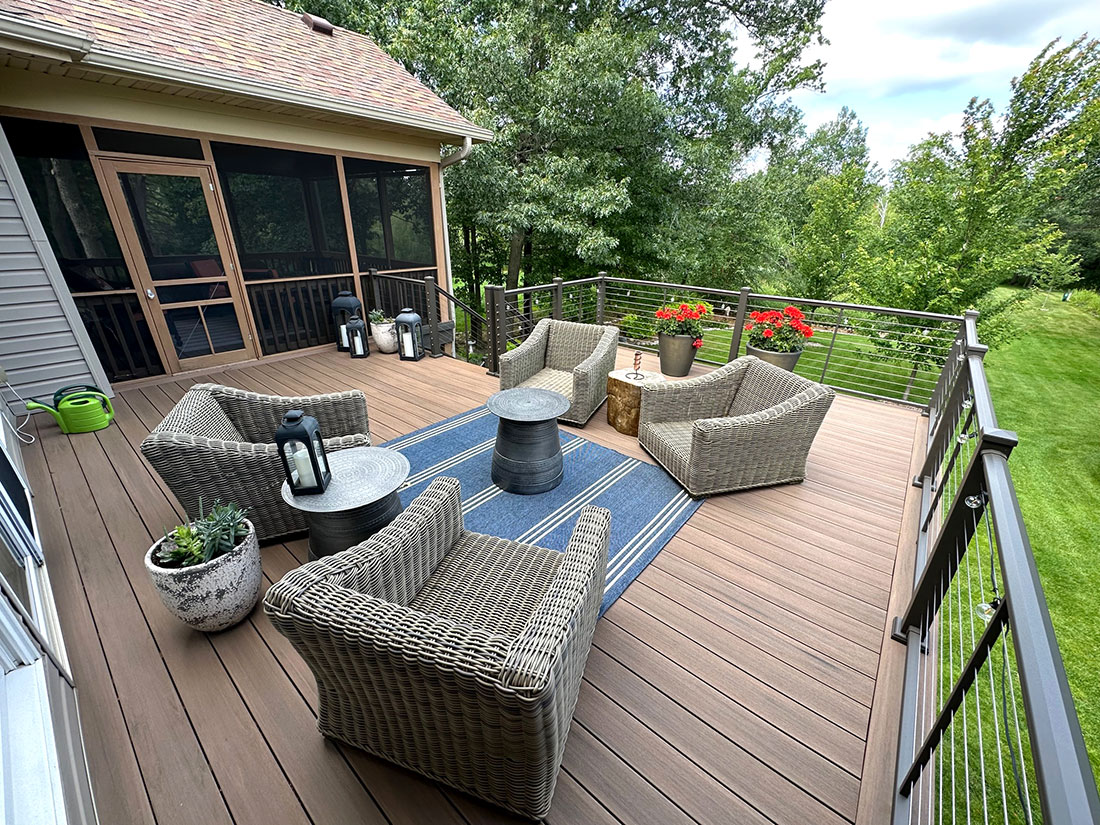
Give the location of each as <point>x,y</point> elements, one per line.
<point>177,238</point>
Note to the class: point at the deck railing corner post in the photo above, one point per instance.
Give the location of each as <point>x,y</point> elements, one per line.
<point>601,296</point>
<point>431,303</point>
<point>739,321</point>
<point>557,299</point>
<point>375,288</point>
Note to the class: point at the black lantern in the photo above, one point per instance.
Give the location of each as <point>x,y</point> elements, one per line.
<point>344,308</point>
<point>303,453</point>
<point>409,336</point>
<point>357,337</point>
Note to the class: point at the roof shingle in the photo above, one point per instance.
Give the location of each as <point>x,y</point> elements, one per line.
<point>252,41</point>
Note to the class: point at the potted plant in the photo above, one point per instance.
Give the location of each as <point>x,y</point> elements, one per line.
<point>778,337</point>
<point>207,572</point>
<point>383,331</point>
<point>679,335</point>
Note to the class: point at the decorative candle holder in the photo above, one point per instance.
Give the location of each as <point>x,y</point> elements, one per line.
<point>636,375</point>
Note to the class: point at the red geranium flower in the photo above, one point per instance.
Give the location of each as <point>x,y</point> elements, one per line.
<point>702,308</point>
<point>808,332</point>
<point>749,325</point>
<point>698,342</point>
<point>768,333</point>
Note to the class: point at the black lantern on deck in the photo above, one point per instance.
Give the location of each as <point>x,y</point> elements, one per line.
<point>409,335</point>
<point>344,308</point>
<point>357,337</point>
<point>303,453</point>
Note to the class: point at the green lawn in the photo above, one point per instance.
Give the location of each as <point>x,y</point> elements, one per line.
<point>1046,387</point>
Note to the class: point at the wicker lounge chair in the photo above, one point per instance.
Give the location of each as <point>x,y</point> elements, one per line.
<point>567,357</point>
<point>454,654</point>
<point>747,424</point>
<point>219,442</point>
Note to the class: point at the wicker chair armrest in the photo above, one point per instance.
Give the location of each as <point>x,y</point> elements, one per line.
<point>519,364</point>
<point>257,416</point>
<point>554,644</point>
<point>590,375</point>
<point>394,563</point>
<point>337,627</point>
<point>705,396</point>
<point>796,417</point>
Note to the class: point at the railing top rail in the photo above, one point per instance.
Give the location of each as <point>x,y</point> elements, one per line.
<point>417,281</point>
<point>459,302</point>
<point>525,289</point>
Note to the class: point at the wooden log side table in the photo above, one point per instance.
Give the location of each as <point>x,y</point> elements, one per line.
<point>360,500</point>
<point>527,457</point>
<point>624,399</point>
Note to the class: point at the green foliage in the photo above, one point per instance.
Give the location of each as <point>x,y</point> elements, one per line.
<point>211,535</point>
<point>377,316</point>
<point>635,327</point>
<point>1087,301</point>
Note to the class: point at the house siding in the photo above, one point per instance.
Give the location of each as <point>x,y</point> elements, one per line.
<point>43,344</point>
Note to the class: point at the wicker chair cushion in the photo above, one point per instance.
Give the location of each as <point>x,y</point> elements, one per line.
<point>198,413</point>
<point>552,379</point>
<point>764,386</point>
<point>489,584</point>
<point>671,440</point>
<point>570,343</point>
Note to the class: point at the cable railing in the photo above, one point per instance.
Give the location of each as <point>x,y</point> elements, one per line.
<point>874,352</point>
<point>988,730</point>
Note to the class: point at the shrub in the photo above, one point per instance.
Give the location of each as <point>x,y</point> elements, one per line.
<point>636,327</point>
<point>1087,300</point>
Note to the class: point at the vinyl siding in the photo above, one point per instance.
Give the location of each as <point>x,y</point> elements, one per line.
<point>39,347</point>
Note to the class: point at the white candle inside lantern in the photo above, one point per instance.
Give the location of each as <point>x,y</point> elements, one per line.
<point>302,464</point>
<point>358,344</point>
<point>407,342</point>
<point>343,335</point>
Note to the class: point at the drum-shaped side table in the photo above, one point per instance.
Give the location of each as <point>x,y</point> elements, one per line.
<point>624,398</point>
<point>360,500</point>
<point>527,457</point>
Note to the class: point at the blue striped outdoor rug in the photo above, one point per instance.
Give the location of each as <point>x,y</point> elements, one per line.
<point>647,506</point>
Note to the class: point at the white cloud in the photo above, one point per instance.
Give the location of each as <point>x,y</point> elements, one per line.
<point>907,69</point>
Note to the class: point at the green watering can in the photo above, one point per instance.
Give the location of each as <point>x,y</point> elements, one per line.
<point>79,408</point>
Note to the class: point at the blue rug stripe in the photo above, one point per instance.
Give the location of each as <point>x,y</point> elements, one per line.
<point>647,506</point>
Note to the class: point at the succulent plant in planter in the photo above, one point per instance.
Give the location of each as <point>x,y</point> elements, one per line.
<point>207,572</point>
<point>383,331</point>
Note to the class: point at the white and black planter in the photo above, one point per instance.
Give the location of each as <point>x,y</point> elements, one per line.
<point>384,336</point>
<point>216,594</point>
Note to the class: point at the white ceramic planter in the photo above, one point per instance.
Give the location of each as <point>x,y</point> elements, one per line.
<point>384,336</point>
<point>214,595</point>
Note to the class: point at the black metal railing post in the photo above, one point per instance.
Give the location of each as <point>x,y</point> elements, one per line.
<point>601,297</point>
<point>497,321</point>
<point>432,305</point>
<point>739,321</point>
<point>375,289</point>
<point>557,299</point>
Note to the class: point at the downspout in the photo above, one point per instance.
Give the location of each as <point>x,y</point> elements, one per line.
<point>454,157</point>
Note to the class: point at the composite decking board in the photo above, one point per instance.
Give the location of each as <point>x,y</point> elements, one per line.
<point>730,647</point>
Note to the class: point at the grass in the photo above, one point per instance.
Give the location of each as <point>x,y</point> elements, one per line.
<point>1046,387</point>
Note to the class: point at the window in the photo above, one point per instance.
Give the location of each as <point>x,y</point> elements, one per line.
<point>285,210</point>
<point>391,214</point>
<point>66,194</point>
<point>144,143</point>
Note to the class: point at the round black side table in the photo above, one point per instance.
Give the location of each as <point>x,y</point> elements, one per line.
<point>360,500</point>
<point>527,457</point>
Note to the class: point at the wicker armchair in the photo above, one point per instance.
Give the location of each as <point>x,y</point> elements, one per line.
<point>454,654</point>
<point>219,442</point>
<point>747,424</point>
<point>567,357</point>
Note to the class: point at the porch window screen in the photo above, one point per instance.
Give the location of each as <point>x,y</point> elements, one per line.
<point>391,214</point>
<point>65,192</point>
<point>285,211</point>
<point>55,167</point>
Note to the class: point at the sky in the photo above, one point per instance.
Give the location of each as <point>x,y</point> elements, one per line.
<point>908,68</point>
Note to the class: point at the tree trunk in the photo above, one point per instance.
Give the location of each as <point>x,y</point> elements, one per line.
<point>515,258</point>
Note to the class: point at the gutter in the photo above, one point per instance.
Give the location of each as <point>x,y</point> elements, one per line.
<point>453,158</point>
<point>54,42</point>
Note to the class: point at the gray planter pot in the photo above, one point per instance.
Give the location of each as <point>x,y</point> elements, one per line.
<point>786,360</point>
<point>214,595</point>
<point>677,354</point>
<point>384,336</point>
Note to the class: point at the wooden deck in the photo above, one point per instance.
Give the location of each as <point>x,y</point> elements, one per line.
<point>733,682</point>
